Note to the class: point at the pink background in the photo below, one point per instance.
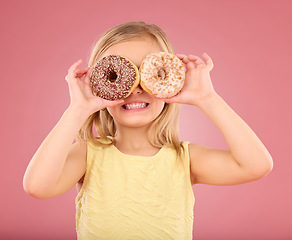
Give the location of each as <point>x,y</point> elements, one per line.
<point>250,43</point>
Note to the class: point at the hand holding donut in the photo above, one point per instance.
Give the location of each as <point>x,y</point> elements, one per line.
<point>198,85</point>
<point>80,90</point>
<point>161,74</point>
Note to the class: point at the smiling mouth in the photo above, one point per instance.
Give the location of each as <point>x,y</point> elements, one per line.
<point>135,106</point>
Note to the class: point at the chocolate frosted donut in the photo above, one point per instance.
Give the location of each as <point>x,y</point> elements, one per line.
<point>114,77</point>
<point>162,74</point>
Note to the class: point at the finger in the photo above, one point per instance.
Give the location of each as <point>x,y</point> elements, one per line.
<point>109,103</point>
<point>80,72</point>
<point>208,60</point>
<point>183,58</point>
<point>180,56</point>
<point>88,74</point>
<point>73,68</point>
<point>199,62</point>
<point>190,65</point>
<point>75,65</point>
<point>166,100</point>
<point>174,99</point>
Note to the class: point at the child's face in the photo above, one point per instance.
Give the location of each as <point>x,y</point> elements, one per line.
<point>140,108</point>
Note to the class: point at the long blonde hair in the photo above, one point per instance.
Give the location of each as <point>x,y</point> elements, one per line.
<point>164,129</point>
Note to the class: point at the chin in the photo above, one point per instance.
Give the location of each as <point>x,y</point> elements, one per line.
<point>137,124</point>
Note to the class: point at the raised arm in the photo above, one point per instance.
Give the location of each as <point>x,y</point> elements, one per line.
<point>57,164</point>
<point>247,158</point>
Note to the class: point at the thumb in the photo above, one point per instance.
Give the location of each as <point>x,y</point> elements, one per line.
<point>174,99</point>
<point>88,74</point>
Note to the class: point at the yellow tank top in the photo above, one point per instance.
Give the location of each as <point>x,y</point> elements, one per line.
<point>135,197</point>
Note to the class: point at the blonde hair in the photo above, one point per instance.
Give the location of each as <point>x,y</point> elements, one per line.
<point>164,129</point>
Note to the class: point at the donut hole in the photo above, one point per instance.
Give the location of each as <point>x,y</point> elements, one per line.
<point>112,77</point>
<point>161,74</point>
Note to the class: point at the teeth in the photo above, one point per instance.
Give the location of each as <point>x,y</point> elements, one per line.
<point>135,105</point>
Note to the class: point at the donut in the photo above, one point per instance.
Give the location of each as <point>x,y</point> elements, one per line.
<point>162,74</point>
<point>114,77</point>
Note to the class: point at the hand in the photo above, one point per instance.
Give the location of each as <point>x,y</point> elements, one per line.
<point>198,85</point>
<point>81,93</point>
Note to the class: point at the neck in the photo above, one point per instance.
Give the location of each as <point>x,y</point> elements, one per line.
<point>134,141</point>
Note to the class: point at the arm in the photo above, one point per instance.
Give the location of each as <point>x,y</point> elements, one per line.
<point>58,165</point>
<point>52,170</point>
<point>247,158</point>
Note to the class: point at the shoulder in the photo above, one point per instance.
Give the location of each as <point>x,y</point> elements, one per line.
<point>196,149</point>
<point>195,152</point>
<point>98,142</point>
<point>78,153</point>
<point>79,147</point>
<point>193,149</point>
<point>82,147</point>
<point>200,154</point>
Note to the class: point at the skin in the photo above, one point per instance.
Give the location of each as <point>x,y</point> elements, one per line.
<point>58,165</point>
<point>247,158</point>
<point>132,126</point>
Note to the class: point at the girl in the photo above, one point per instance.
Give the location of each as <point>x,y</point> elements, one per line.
<point>135,180</point>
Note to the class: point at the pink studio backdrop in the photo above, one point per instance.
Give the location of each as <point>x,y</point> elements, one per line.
<point>250,43</point>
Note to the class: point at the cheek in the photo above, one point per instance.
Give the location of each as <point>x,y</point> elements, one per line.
<point>111,110</point>
<point>159,107</point>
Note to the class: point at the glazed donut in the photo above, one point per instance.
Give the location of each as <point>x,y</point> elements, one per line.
<point>162,74</point>
<point>114,77</point>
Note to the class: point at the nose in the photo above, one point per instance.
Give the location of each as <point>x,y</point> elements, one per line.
<point>137,90</point>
